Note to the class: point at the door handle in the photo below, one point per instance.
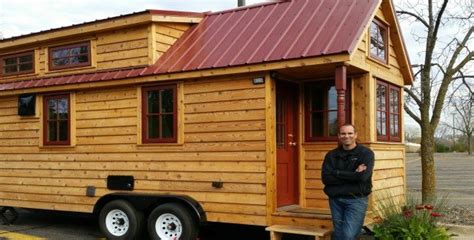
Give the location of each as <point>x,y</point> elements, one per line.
<point>292,144</point>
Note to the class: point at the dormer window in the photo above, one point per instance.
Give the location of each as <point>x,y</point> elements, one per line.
<point>17,63</point>
<point>379,41</point>
<point>70,56</point>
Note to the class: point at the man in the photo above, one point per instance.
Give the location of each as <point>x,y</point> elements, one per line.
<point>347,176</point>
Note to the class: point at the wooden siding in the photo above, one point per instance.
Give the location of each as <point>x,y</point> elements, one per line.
<point>224,129</point>
<point>388,177</point>
<point>389,181</point>
<point>313,160</point>
<point>120,48</point>
<point>166,35</point>
<point>388,72</point>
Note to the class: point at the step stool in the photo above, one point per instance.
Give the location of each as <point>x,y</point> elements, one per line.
<point>276,231</point>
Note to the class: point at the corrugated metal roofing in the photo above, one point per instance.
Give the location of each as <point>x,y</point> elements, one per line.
<point>281,31</point>
<point>251,35</point>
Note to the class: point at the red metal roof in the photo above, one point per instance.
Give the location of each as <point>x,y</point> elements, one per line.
<point>271,32</point>
<point>250,35</point>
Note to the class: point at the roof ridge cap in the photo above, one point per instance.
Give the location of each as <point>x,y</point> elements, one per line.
<point>255,5</point>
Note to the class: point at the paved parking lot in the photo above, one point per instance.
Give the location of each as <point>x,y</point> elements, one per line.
<point>42,225</point>
<point>454,177</point>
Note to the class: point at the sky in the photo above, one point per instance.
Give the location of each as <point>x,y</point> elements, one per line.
<point>18,17</point>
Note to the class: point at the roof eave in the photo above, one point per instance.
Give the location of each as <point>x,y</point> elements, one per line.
<point>406,69</point>
<point>173,76</point>
<point>122,21</point>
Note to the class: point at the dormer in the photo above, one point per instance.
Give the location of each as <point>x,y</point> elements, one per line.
<point>126,41</point>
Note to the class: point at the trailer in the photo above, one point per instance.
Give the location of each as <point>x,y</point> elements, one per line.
<point>164,120</point>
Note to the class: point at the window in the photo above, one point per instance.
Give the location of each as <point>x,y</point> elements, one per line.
<point>379,41</point>
<point>17,63</point>
<point>56,119</point>
<point>70,56</point>
<point>321,110</point>
<point>388,112</point>
<point>159,114</point>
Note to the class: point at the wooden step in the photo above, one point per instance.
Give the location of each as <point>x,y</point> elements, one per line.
<point>276,231</point>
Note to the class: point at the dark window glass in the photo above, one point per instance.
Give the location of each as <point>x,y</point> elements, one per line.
<point>378,41</point>
<point>17,63</point>
<point>57,120</point>
<point>281,122</point>
<point>167,126</point>
<point>321,110</point>
<point>159,114</point>
<point>167,100</point>
<point>388,112</point>
<point>317,124</point>
<point>76,55</point>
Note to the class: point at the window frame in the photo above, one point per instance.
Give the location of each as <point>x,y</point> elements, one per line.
<point>46,142</point>
<point>308,112</point>
<point>68,66</point>
<point>17,56</point>
<point>385,27</point>
<point>388,112</point>
<point>144,112</point>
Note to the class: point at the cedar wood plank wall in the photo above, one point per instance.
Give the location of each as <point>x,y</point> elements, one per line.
<point>119,48</point>
<point>224,140</point>
<point>389,174</point>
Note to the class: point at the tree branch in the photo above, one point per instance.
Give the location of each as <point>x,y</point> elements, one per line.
<point>456,54</point>
<point>463,77</point>
<point>401,12</point>
<point>412,114</point>
<point>448,77</point>
<point>413,95</point>
<point>463,62</point>
<point>438,19</point>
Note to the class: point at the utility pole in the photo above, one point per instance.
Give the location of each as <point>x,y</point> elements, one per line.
<point>454,133</point>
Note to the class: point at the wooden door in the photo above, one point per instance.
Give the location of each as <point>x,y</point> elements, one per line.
<point>287,146</point>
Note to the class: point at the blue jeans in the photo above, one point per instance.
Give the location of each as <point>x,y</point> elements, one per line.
<point>347,216</point>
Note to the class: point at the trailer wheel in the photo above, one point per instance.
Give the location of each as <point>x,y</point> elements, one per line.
<point>172,221</point>
<point>119,220</point>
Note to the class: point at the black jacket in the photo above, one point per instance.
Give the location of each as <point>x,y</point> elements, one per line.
<point>339,175</point>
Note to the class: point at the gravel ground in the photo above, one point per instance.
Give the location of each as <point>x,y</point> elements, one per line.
<point>459,216</point>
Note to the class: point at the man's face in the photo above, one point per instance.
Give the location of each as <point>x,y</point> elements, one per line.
<point>347,135</point>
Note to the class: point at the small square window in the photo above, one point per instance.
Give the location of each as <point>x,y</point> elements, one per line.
<point>388,112</point>
<point>57,120</point>
<point>70,56</point>
<point>321,110</point>
<point>159,117</point>
<point>20,63</point>
<point>379,41</point>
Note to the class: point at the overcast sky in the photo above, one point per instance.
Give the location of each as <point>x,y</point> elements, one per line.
<point>18,17</point>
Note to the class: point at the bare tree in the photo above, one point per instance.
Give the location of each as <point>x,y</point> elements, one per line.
<point>445,34</point>
<point>462,103</point>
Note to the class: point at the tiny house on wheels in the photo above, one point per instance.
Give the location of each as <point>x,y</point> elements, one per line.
<point>162,120</point>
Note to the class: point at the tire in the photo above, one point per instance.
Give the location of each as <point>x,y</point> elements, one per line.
<point>172,221</point>
<point>119,220</point>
